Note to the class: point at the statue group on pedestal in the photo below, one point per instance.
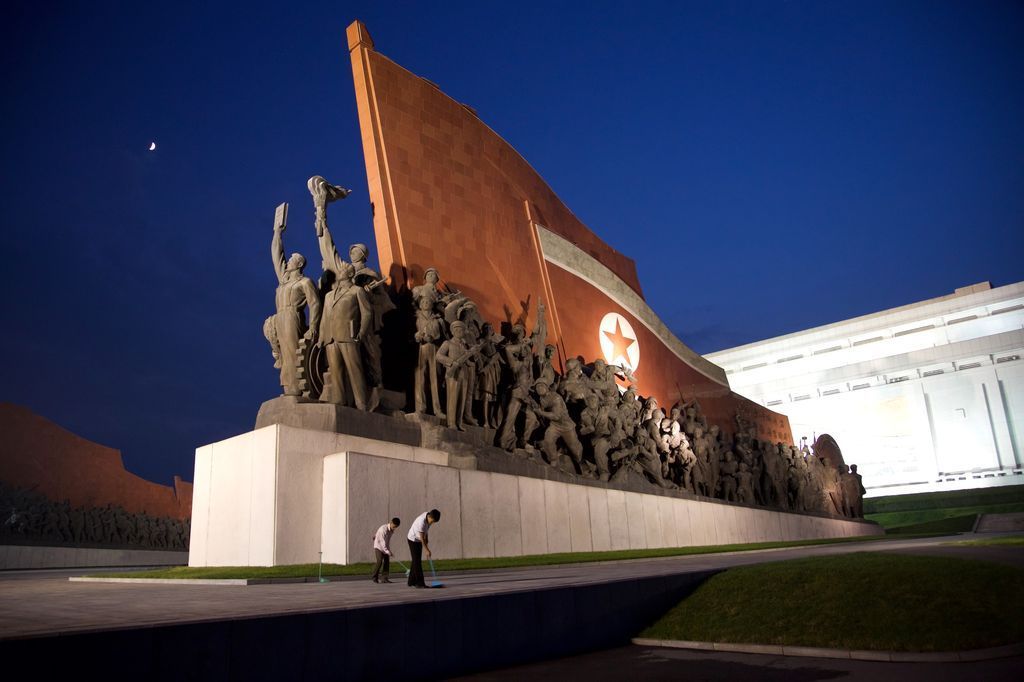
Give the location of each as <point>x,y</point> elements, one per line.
<point>345,316</point>
<point>584,418</point>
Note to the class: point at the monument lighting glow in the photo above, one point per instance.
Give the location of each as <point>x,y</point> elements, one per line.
<point>618,342</point>
<point>537,446</point>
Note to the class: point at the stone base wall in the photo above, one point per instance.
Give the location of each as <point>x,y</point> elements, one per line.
<point>281,495</point>
<point>21,557</point>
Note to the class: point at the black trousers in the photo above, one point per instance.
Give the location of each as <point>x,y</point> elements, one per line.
<point>416,564</point>
<point>383,560</point>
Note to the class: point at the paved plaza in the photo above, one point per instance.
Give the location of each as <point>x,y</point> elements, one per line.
<point>34,603</point>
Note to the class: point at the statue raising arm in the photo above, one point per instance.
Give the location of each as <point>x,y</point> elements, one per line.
<point>295,292</point>
<point>332,260</point>
<point>276,244</point>
<point>324,193</point>
<point>294,265</point>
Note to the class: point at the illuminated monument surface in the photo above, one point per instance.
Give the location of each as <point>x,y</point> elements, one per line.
<point>448,192</point>
<point>503,367</point>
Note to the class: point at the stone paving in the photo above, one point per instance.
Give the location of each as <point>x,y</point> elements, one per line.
<point>42,603</point>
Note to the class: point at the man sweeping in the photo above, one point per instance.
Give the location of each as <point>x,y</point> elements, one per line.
<point>419,544</point>
<point>382,548</point>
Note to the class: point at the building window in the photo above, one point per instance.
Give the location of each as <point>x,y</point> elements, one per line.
<point>864,341</point>
<point>914,330</point>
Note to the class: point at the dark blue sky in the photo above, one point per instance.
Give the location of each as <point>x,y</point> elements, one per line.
<point>771,167</point>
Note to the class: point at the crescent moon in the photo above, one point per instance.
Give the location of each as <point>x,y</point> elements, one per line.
<point>152,146</point>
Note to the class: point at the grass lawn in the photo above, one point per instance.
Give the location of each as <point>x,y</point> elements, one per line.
<point>310,570</point>
<point>897,519</point>
<point>970,497</point>
<point>872,601</point>
<point>947,511</point>
<point>1005,541</point>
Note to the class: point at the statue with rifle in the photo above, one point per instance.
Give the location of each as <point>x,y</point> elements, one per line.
<point>457,357</point>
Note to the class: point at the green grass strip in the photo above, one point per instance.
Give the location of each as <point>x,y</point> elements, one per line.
<point>864,601</point>
<point>1005,541</point>
<point>310,570</point>
<point>897,519</point>
<point>971,497</point>
<point>956,524</point>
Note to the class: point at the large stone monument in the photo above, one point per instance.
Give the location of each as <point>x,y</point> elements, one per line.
<point>543,437</point>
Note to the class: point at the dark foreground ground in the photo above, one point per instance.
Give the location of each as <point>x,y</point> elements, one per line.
<point>44,604</point>
<point>648,664</point>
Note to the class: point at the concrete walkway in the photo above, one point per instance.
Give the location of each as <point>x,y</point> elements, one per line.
<point>46,603</point>
<point>992,523</point>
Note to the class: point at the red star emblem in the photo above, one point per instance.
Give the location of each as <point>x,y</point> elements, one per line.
<point>620,343</point>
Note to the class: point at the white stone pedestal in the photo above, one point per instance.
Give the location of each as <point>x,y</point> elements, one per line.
<point>280,495</point>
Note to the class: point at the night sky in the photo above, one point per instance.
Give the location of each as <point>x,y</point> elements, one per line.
<point>770,166</point>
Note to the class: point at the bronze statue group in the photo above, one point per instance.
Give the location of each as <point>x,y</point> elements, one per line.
<point>583,418</point>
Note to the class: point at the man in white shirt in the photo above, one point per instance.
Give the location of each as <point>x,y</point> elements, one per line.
<point>419,544</point>
<point>382,548</point>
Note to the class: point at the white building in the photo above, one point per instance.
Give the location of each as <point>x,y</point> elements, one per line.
<point>922,397</point>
